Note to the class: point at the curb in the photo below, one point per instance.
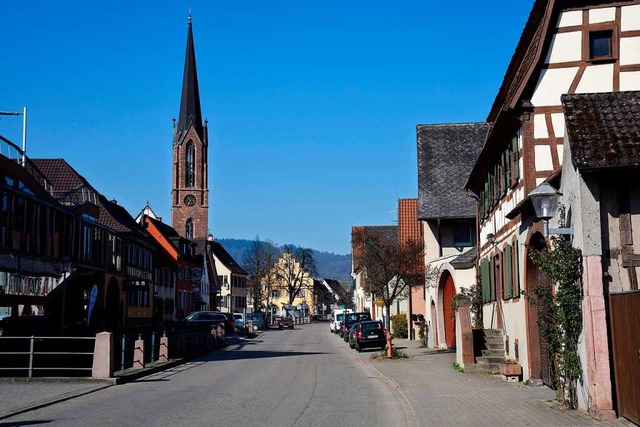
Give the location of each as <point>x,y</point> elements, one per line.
<point>108,382</point>
<point>57,399</point>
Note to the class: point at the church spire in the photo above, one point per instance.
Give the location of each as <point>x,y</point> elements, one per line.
<point>190,112</point>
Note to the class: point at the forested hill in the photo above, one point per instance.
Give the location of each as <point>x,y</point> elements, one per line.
<point>329,265</point>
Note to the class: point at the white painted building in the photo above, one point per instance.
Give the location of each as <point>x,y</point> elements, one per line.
<point>587,47</point>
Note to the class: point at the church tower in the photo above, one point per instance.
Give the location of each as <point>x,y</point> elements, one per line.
<point>190,193</point>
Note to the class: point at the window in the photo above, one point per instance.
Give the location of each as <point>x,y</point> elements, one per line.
<point>189,178</point>
<point>601,45</point>
<point>189,229</point>
<point>462,234</point>
<point>485,280</point>
<point>508,273</point>
<point>503,175</point>
<point>515,262</point>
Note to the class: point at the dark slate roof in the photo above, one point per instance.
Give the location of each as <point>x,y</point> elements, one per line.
<point>190,112</point>
<point>221,253</point>
<point>603,129</point>
<point>446,155</point>
<point>465,260</point>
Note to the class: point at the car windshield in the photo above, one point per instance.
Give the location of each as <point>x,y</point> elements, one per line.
<point>237,316</point>
<point>371,326</point>
<point>351,317</point>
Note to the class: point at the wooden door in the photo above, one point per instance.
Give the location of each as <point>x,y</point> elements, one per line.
<point>625,337</point>
<point>449,313</point>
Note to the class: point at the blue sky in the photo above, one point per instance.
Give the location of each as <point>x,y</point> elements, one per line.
<point>312,105</point>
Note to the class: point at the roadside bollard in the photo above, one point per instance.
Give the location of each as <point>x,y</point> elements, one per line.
<point>164,349</point>
<point>138,353</point>
<point>389,349</point>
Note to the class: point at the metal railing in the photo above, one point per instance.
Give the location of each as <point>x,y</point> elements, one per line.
<point>53,361</point>
<point>13,152</point>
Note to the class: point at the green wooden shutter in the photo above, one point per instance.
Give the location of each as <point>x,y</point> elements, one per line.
<point>516,159</point>
<point>509,271</point>
<point>516,275</point>
<point>484,279</point>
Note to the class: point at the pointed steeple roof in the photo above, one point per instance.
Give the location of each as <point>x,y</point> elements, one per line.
<point>190,111</point>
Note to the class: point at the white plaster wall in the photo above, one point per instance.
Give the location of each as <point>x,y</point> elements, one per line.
<point>607,14</point>
<point>630,80</point>
<point>629,50</point>
<point>569,19</point>
<point>557,119</point>
<point>497,221</point>
<point>515,327</point>
<point>540,126</point>
<point>630,18</point>
<point>539,181</point>
<point>565,47</point>
<point>552,84</point>
<point>596,79</point>
<point>544,161</point>
<point>572,199</point>
<point>464,278</point>
<point>560,154</point>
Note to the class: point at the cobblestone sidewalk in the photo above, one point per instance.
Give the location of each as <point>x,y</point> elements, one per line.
<point>442,396</point>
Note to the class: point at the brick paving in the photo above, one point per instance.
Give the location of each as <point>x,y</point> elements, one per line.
<point>441,396</point>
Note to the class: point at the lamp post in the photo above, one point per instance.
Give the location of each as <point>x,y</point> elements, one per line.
<point>545,202</point>
<point>65,267</point>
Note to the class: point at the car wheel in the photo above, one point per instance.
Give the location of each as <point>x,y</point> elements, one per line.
<point>358,348</point>
<point>280,327</point>
<point>291,327</point>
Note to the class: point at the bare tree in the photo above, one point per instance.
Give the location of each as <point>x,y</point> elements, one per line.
<point>258,260</point>
<point>390,268</point>
<point>295,271</point>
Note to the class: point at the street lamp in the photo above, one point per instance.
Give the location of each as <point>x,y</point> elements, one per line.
<point>65,267</point>
<point>545,202</point>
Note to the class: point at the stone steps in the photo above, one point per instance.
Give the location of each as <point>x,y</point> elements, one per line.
<point>492,353</point>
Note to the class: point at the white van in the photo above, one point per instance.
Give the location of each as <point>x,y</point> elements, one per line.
<point>337,318</point>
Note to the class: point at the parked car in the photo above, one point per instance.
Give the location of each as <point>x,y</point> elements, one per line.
<point>238,320</point>
<point>352,335</point>
<point>284,322</point>
<point>208,318</point>
<point>213,319</point>
<point>368,335</point>
<point>258,319</point>
<point>22,326</point>
<point>350,319</point>
<point>336,319</point>
<point>229,324</point>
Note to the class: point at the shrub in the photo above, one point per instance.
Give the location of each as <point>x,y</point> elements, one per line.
<point>400,327</point>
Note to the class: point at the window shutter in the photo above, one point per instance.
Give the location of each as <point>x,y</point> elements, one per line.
<point>516,271</point>
<point>516,159</point>
<point>484,279</point>
<point>508,256</point>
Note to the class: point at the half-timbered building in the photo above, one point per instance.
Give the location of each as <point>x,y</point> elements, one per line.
<point>567,47</point>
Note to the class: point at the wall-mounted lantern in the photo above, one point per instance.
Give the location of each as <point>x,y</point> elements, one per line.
<point>545,202</point>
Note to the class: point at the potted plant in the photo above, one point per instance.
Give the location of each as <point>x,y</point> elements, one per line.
<point>510,368</point>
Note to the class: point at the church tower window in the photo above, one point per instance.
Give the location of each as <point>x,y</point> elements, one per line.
<point>189,179</point>
<point>189,229</point>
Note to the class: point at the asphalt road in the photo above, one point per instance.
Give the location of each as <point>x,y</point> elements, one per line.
<point>301,377</point>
